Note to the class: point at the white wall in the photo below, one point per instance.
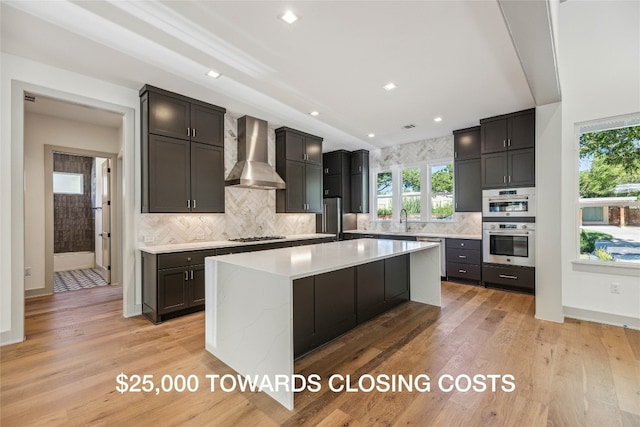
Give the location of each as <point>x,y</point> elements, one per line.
<point>18,75</point>
<point>40,130</point>
<point>599,62</point>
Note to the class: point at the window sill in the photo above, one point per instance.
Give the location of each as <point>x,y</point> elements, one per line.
<point>606,267</point>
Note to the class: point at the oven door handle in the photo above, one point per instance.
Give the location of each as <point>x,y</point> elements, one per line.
<point>511,199</point>
<point>508,233</point>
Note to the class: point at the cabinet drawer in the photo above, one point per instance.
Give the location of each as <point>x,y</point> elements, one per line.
<point>179,259</point>
<point>463,256</point>
<point>516,277</point>
<point>463,271</point>
<point>463,244</point>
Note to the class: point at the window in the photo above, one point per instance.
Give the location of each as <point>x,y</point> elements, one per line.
<point>609,189</point>
<point>411,192</point>
<point>425,191</point>
<point>68,183</point>
<point>384,195</point>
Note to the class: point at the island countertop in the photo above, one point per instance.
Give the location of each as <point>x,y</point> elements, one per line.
<point>304,261</point>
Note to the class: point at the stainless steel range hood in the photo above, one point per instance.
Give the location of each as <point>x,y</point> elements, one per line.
<point>252,169</point>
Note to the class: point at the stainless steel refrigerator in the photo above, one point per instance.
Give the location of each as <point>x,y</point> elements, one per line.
<point>332,220</point>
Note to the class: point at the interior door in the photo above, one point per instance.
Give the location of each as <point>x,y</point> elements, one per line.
<point>106,221</point>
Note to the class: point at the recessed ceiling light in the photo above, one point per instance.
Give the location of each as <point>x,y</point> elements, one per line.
<point>289,17</point>
<point>371,135</point>
<point>314,113</point>
<point>213,74</point>
<point>437,119</point>
<point>390,86</point>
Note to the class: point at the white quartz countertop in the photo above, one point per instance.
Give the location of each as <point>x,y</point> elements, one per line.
<point>304,261</point>
<point>194,246</point>
<point>416,234</point>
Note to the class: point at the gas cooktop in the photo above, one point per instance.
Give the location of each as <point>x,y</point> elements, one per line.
<point>257,239</point>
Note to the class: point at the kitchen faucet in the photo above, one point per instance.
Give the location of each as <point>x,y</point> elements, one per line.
<point>406,223</point>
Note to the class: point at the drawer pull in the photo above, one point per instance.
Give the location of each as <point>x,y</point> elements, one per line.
<point>191,274</point>
<point>189,259</point>
<point>461,244</point>
<point>506,276</point>
<point>462,271</point>
<point>462,256</point>
<point>186,275</point>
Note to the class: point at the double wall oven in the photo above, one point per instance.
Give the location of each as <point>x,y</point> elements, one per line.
<point>508,227</point>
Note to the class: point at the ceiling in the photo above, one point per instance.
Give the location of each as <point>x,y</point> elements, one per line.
<point>67,110</point>
<point>449,59</point>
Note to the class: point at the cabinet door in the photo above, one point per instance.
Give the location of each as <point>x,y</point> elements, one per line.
<point>522,168</point>
<point>294,146</point>
<point>332,186</point>
<point>370,290</point>
<point>207,125</point>
<point>356,193</point>
<point>313,187</point>
<point>313,149</point>
<point>169,166</point>
<point>295,179</point>
<point>335,310</point>
<point>466,145</point>
<point>172,289</point>
<point>304,327</point>
<point>522,131</point>
<point>468,186</point>
<point>396,278</point>
<point>332,163</point>
<point>359,162</point>
<point>493,136</point>
<point>197,285</point>
<point>207,178</point>
<point>168,116</point>
<point>494,170</point>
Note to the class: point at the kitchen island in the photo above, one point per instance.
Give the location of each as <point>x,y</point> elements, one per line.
<point>249,313</point>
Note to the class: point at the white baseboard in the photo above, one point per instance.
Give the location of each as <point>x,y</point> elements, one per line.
<point>73,261</point>
<point>600,317</point>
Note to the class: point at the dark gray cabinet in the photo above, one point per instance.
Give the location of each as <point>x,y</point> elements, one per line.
<point>509,277</point>
<point>464,259</point>
<point>182,153</point>
<point>359,181</point>
<point>396,279</point>
<point>467,170</point>
<point>508,132</point>
<point>173,283</point>
<point>508,153</point>
<point>336,169</point>
<point>370,290</point>
<point>299,163</point>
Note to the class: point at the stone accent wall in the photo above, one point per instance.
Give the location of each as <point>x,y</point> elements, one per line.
<point>73,216</point>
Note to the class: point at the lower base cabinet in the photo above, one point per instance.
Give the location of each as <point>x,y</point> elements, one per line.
<point>327,305</point>
<point>509,277</point>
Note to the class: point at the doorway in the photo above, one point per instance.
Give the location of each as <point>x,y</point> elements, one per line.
<point>82,221</point>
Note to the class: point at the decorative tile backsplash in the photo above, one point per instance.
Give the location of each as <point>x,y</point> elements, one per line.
<point>247,212</point>
<point>427,150</point>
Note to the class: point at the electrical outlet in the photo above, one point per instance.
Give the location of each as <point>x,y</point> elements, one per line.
<point>615,288</point>
<point>27,271</point>
<point>148,239</point>
<point>200,236</point>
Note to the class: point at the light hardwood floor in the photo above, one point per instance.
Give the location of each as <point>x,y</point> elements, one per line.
<point>571,374</point>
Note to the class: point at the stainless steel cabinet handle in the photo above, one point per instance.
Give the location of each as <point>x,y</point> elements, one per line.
<point>504,143</point>
<point>509,142</point>
<point>462,256</point>
<point>188,131</point>
<point>462,271</point>
<point>509,178</point>
<point>186,275</point>
<point>188,259</point>
<point>461,244</point>
<point>504,179</point>
<point>194,203</point>
<point>189,204</point>
<point>194,133</point>
<point>506,276</point>
<point>191,274</point>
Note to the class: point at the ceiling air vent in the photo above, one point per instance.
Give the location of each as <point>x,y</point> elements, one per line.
<point>410,126</point>
<point>30,98</point>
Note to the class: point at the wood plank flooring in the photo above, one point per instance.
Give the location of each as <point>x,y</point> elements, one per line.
<point>572,374</point>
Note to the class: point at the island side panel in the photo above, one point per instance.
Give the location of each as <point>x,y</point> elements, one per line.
<point>424,281</point>
<point>249,322</point>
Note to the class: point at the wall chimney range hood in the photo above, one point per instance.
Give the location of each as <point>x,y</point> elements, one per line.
<point>252,169</point>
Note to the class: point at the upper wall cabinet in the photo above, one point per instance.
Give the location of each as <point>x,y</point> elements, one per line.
<point>299,163</point>
<point>508,132</point>
<point>337,177</point>
<point>182,153</point>
<point>468,186</point>
<point>360,181</point>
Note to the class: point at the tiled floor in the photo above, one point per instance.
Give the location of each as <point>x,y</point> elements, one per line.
<point>77,279</point>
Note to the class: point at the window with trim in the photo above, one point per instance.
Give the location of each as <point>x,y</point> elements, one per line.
<point>424,191</point>
<point>68,183</point>
<point>609,190</point>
